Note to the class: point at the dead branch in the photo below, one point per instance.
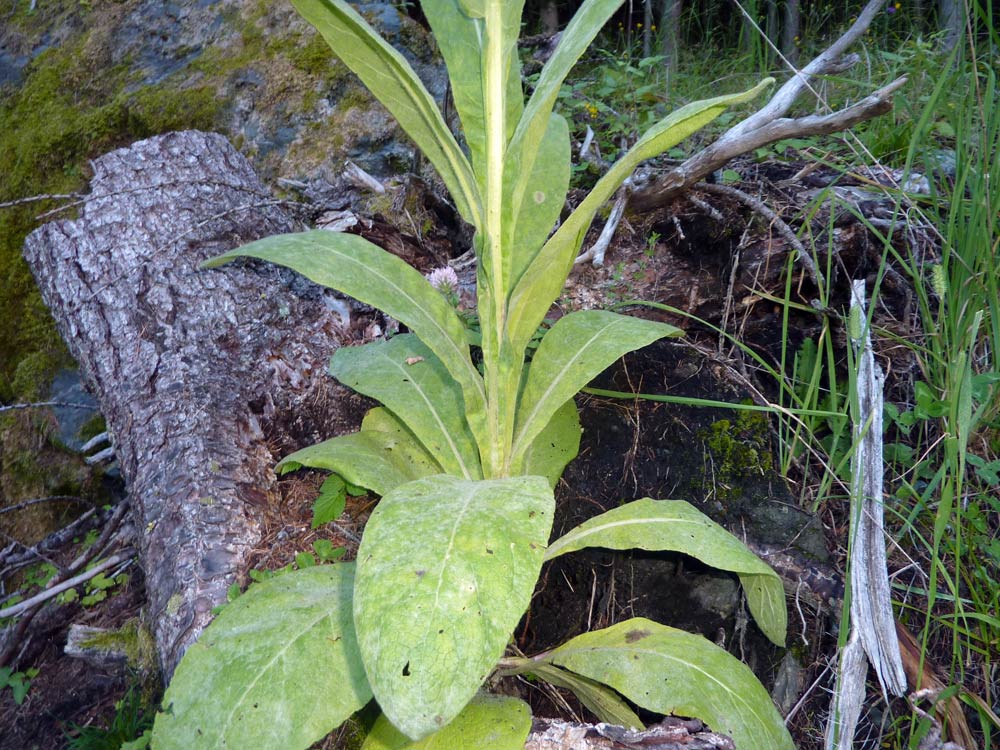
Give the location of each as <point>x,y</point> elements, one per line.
<point>39,500</point>
<point>41,404</point>
<point>595,253</point>
<point>10,560</point>
<point>43,596</point>
<point>769,123</point>
<point>11,638</point>
<point>38,198</point>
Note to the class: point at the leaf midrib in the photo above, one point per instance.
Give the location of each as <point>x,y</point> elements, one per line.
<point>431,407</point>
<point>276,655</point>
<point>617,652</point>
<point>473,376</point>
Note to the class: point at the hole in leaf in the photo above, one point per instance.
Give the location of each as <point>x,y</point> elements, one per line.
<point>406,669</point>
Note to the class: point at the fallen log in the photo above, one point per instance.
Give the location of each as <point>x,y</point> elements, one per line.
<point>191,368</point>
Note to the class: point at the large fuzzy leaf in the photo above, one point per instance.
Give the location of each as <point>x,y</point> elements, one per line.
<point>677,526</point>
<point>555,446</point>
<point>532,133</point>
<point>573,352</point>
<point>356,267</point>
<point>405,375</point>
<point>445,570</point>
<point>541,284</point>
<point>390,78</point>
<point>375,460</point>
<point>534,212</point>
<point>462,41</point>
<point>278,668</point>
<point>489,722</point>
<point>673,672</point>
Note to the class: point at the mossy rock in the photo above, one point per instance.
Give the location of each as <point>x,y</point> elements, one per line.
<point>252,70</point>
<point>34,465</point>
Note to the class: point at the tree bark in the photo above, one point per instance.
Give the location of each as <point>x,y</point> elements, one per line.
<point>190,367</point>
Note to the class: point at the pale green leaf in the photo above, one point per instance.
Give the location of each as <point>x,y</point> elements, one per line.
<point>502,107</point>
<point>670,671</point>
<point>460,34</point>
<point>529,136</point>
<point>390,78</point>
<point>406,377</point>
<point>378,460</point>
<point>535,212</point>
<point>356,267</point>
<point>489,722</point>
<point>677,526</point>
<point>602,701</point>
<point>572,353</point>
<point>446,568</point>
<point>555,446</point>
<point>542,283</point>
<point>278,668</point>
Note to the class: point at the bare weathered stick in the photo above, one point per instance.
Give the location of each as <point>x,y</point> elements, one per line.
<point>41,404</point>
<point>769,123</point>
<point>39,500</point>
<point>873,630</point>
<point>595,253</point>
<point>43,596</point>
<point>871,601</point>
<point>360,178</point>
<point>38,198</point>
<point>11,560</point>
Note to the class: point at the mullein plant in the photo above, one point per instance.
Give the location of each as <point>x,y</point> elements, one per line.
<point>465,459</point>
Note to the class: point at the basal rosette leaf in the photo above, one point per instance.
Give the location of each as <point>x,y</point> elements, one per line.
<point>488,722</point>
<point>356,267</point>
<point>542,282</point>
<point>573,352</point>
<point>278,669</point>
<point>446,568</point>
<point>405,375</point>
<point>670,671</point>
<point>378,461</point>
<point>677,526</point>
<point>390,78</point>
<point>601,700</point>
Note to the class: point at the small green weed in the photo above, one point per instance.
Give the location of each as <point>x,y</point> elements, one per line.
<point>130,728</point>
<point>18,682</point>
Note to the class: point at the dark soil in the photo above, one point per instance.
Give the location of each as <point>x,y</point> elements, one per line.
<point>720,460</point>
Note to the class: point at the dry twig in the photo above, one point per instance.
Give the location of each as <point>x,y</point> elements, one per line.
<point>769,123</point>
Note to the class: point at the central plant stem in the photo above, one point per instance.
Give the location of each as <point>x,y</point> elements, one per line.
<point>498,368</point>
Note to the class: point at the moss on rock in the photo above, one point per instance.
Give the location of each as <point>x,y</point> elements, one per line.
<point>736,450</point>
